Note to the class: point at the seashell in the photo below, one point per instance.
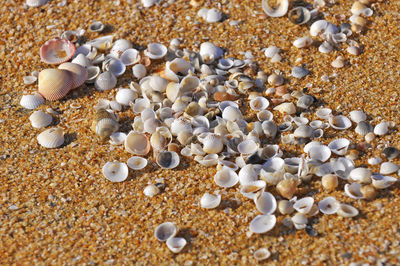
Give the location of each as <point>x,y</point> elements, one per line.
<point>106,127</point>
<point>225,64</point>
<point>115,66</point>
<point>213,15</point>
<point>28,80</point>
<point>328,205</point>
<point>188,83</point>
<point>149,3</point>
<point>325,47</point>
<point>93,73</point>
<point>51,138</point>
<point>338,62</point>
<point>181,125</point>
<point>279,10</point>
<point>303,42</point>
<point>209,52</point>
<point>315,124</point>
<point>105,81</point>
<point>269,128</point>
<point>209,160</point>
<point>137,143</point>
<point>363,128</point>
<point>303,131</point>
<point>286,108</point>
<point>275,80</point>
<point>299,15</point>
<point>339,146</point>
<point>271,51</point>
<point>304,205</point>
<point>262,254</point>
<point>139,71</point>
<point>361,175</point>
<point>115,171</point>
<point>329,182</point>
<point>319,153</point>
<point>382,182</point>
<point>305,101</point>
<point>368,192</point>
<point>117,138</point>
<point>353,190</point>
<point>347,211</point>
<point>175,244</point>
<point>247,147</point>
<point>300,121</point>
<point>213,143</point>
<point>40,119</point>
<point>265,115</point>
<point>318,27</point>
<point>226,177</point>
<point>57,51</point>
<point>299,72</point>
<point>299,221</point>
<point>388,168</point>
<point>209,201</point>
<point>287,188</point>
<point>119,47</point>
<point>228,164</point>
<point>151,190</point>
<point>357,116</point>
<point>390,152</point>
<point>357,8</point>
<point>168,159</point>
<point>339,122</point>
<point>342,167</point>
<point>137,163</point>
<point>265,203</point>
<point>262,223</point>
<point>96,26</point>
<point>231,113</point>
<point>79,73</point>
<point>324,113</point>
<point>156,51</point>
<point>125,96</point>
<point>54,84</point>
<point>36,3</point>
<point>130,56</point>
<point>259,103</point>
<point>32,101</point>
<point>379,130</point>
<point>165,231</point>
<point>158,83</point>
<point>375,161</point>
<point>82,60</point>
<point>251,189</point>
<point>285,207</point>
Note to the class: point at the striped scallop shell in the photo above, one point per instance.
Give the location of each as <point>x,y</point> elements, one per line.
<point>31,101</point>
<point>57,51</point>
<point>54,84</point>
<point>51,138</point>
<point>40,119</point>
<point>78,72</point>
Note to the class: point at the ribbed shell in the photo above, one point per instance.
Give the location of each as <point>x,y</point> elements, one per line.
<point>31,101</point>
<point>40,119</point>
<point>57,51</point>
<point>54,84</point>
<point>51,138</point>
<point>79,73</point>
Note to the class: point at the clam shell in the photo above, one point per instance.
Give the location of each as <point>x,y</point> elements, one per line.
<point>212,143</point>
<point>299,15</point>
<point>339,146</point>
<point>303,42</point>
<point>106,127</point>
<point>139,71</point>
<point>363,128</point>
<point>231,113</point>
<point>136,163</point>
<point>79,73</point>
<point>137,143</point>
<point>265,203</point>
<point>125,96</point>
<point>262,254</point>
<point>279,10</point>
<point>188,83</point>
<point>318,27</point>
<point>51,138</point>
<point>259,103</point>
<point>381,129</point>
<point>357,116</point>
<point>382,182</point>
<point>115,171</point>
<point>339,62</point>
<point>158,83</point>
<point>303,131</point>
<point>339,122</point>
<point>388,168</point>
<point>117,138</point>
<point>115,66</point>
<point>304,205</point>
<point>209,52</point>
<point>262,223</point>
<point>105,81</point>
<point>269,128</point>
<point>250,190</point>
<point>346,210</point>
<point>57,51</point>
<point>286,108</point>
<point>319,153</point>
<point>285,207</point>
<point>328,205</point>
<point>40,119</point>
<point>361,175</point>
<point>36,3</point>
<point>151,190</point>
<point>226,177</point>
<point>213,15</point>
<point>120,46</point>
<point>28,80</point>
<point>54,84</point>
<point>130,56</point>
<point>324,113</point>
<point>176,244</point>
<point>247,147</point>
<point>96,26</point>
<point>167,159</point>
<point>102,43</point>
<point>93,73</point>
<point>325,47</point>
<point>353,190</point>
<point>31,101</point>
<point>165,231</point>
<point>299,219</point>
<point>305,101</point>
<point>390,152</point>
<point>209,201</point>
<point>299,72</point>
<point>156,51</point>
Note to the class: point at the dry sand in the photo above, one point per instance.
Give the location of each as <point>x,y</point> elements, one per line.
<point>68,213</point>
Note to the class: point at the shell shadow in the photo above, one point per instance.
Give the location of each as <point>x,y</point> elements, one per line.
<point>108,28</point>
<point>69,138</point>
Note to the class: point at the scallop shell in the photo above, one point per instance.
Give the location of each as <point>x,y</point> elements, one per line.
<point>136,163</point>
<point>54,84</point>
<point>357,116</point>
<point>262,254</point>
<point>115,171</point>
<point>339,146</point>
<point>363,128</point>
<point>346,210</point>
<point>96,26</point>
<point>328,205</point>
<point>212,143</point>
<point>137,143</point>
<point>79,73</point>
<point>304,205</point>
<point>57,51</point>
<point>388,168</point>
<point>106,127</point>
<point>265,203</point>
<point>51,138</point>
<point>176,244</point>
<point>339,122</point>
<point>279,10</point>
<point>167,159</point>
<point>226,177</point>
<point>262,223</point>
<point>125,96</point>
<point>209,201</point>
<point>105,81</point>
<point>156,50</point>
<point>165,231</point>
<point>299,15</point>
<point>36,3</point>
<point>40,119</point>
<point>31,101</point>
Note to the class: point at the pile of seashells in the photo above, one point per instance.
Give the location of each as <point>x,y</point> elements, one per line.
<point>195,106</point>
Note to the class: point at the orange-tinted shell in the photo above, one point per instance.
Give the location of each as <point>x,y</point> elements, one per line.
<point>57,51</point>
<point>54,84</point>
<point>78,72</point>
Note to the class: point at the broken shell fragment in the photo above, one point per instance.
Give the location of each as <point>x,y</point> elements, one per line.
<point>299,15</point>
<point>338,62</point>
<point>51,138</point>
<point>279,10</point>
<point>209,201</point>
<point>57,51</point>
<point>165,231</point>
<point>167,159</point>
<point>115,171</point>
<point>262,223</point>
<point>40,119</point>
<point>299,221</point>
<point>176,244</point>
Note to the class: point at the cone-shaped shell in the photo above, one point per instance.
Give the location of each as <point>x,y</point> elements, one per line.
<point>40,119</point>
<point>209,201</point>
<point>115,171</point>
<point>51,138</point>
<point>137,143</point>
<point>54,84</point>
<point>57,51</point>
<point>79,73</point>
<point>262,223</point>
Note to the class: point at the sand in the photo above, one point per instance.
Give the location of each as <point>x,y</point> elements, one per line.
<point>57,208</point>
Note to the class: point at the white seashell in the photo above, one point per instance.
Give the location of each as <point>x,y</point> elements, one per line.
<point>165,231</point>
<point>189,82</point>
<point>209,201</point>
<point>319,153</point>
<point>304,205</point>
<point>51,138</point>
<point>262,223</point>
<point>130,56</point>
<point>342,167</point>
<point>115,171</point>
<point>279,10</point>
<point>325,47</point>
<point>382,182</point>
<point>137,143</point>
<point>181,125</point>
<point>119,47</point>
<point>213,15</point>
<point>139,71</point>
<point>231,113</point>
<point>115,106</point>
<point>339,62</point>
<point>117,138</point>
<point>286,108</point>
<point>299,15</point>
<point>250,190</point>
<point>271,51</point>
<point>303,131</point>
<point>353,190</point>
<point>265,203</point>
<point>156,50</point>
<point>176,244</point>
<point>299,72</point>
<point>202,12</point>
<point>303,42</point>
<point>324,113</point>
<point>40,119</point>
<point>363,128</point>
<point>158,83</point>
<point>247,147</point>
<point>101,43</point>
<point>328,205</point>
<point>36,3</point>
<point>225,64</point>
<point>249,173</point>
<point>209,52</point>
<point>226,177</point>
<point>388,168</point>
<point>28,80</point>
<point>93,73</point>
<point>125,96</point>
<point>339,146</point>
<point>375,161</point>
<point>209,160</point>
<point>96,26</point>
<point>269,128</point>
<point>339,122</point>
<point>140,104</point>
<point>361,175</point>
<point>31,101</point>
<point>151,190</point>
<point>299,221</point>
<point>381,129</point>
<point>259,103</point>
<point>357,116</point>
<point>115,66</point>
<point>82,60</point>
<point>353,50</point>
<point>318,27</point>
<point>212,143</point>
<point>168,159</point>
<point>262,254</point>
<point>105,81</point>
<point>136,163</point>
<point>149,3</point>
<point>346,210</point>
<point>265,115</point>
<point>300,121</point>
